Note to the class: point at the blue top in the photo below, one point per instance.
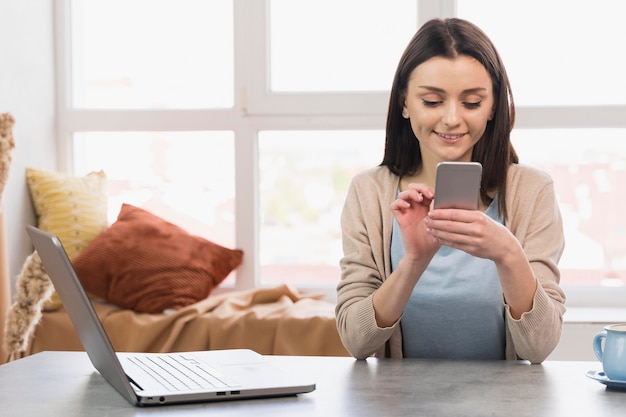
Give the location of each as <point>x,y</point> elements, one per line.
<point>456,310</point>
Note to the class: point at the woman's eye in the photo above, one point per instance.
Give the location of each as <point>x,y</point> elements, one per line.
<point>429,103</point>
<point>473,105</point>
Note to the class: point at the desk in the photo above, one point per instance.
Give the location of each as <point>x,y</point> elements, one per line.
<point>66,384</point>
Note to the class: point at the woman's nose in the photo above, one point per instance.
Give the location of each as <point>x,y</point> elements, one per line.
<point>450,115</point>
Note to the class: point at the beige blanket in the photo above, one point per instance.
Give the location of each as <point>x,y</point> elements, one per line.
<point>270,321</point>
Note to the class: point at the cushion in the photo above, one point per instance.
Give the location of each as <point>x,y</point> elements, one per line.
<point>72,207</point>
<point>145,263</point>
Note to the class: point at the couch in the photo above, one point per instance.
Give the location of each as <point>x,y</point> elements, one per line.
<point>180,311</point>
<point>151,283</point>
<point>276,320</point>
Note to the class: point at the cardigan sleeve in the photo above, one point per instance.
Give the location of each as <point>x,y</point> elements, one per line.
<point>362,268</point>
<point>536,222</point>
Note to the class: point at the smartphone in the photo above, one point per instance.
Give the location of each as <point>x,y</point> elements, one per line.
<point>458,185</point>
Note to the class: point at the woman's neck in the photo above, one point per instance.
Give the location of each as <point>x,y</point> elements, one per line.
<point>426,175</point>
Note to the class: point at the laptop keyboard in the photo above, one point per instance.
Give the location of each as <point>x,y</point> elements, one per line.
<point>182,372</point>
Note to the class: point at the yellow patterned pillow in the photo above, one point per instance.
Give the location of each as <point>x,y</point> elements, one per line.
<point>71,207</point>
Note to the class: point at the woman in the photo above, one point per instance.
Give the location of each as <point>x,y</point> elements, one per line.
<point>450,283</point>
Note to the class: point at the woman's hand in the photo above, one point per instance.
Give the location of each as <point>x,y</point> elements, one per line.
<point>471,231</point>
<point>410,210</point>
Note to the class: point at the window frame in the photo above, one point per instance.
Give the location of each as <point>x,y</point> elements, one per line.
<point>256,108</point>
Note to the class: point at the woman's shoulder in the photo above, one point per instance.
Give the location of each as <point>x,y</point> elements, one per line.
<point>374,186</point>
<point>527,176</point>
<point>378,174</point>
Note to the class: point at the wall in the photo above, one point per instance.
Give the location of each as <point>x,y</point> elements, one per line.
<point>580,326</point>
<point>27,92</point>
<point>575,344</point>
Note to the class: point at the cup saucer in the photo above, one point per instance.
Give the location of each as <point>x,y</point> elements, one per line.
<point>603,379</point>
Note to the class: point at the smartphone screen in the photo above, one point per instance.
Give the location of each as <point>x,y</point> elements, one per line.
<point>458,185</point>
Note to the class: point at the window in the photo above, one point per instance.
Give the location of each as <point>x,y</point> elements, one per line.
<point>304,176</point>
<point>152,54</point>
<point>156,171</point>
<point>244,120</point>
<point>557,53</point>
<point>338,46</point>
<point>588,167</point>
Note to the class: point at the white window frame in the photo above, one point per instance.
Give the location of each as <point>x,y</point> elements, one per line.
<point>256,108</point>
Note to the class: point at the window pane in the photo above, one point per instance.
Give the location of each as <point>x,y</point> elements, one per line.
<point>557,52</point>
<point>589,170</point>
<point>304,176</point>
<point>347,45</point>
<point>188,178</point>
<point>152,54</point>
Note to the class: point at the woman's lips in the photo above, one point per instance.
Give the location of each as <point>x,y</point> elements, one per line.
<point>450,137</point>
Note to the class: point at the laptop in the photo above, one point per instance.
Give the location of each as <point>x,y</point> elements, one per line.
<point>162,378</point>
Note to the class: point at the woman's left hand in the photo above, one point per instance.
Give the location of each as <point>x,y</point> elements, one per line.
<point>471,231</point>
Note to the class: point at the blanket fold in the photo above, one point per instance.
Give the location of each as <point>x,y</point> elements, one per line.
<point>277,320</point>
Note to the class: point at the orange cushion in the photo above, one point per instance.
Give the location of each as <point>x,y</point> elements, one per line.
<point>144,263</point>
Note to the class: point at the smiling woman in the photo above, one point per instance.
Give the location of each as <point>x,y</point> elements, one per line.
<point>464,283</point>
<point>464,105</point>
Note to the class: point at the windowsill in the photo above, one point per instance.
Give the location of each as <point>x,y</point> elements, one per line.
<point>593,315</point>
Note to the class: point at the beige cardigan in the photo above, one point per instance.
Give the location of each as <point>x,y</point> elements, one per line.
<point>534,219</point>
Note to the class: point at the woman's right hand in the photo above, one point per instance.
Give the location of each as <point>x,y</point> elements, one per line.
<point>410,210</point>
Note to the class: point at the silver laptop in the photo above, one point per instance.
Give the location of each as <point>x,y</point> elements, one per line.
<point>162,378</point>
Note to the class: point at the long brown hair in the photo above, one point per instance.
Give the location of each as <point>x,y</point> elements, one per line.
<point>451,38</point>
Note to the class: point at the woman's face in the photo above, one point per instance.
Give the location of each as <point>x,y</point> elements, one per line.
<point>449,102</point>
